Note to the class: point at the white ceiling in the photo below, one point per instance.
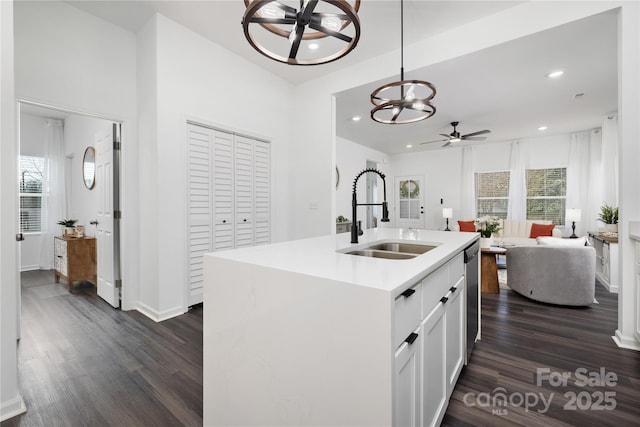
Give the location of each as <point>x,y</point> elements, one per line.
<point>503,88</point>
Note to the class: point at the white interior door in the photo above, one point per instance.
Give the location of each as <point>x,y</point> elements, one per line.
<point>105,229</point>
<point>409,198</point>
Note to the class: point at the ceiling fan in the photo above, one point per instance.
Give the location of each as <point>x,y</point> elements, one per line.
<point>456,137</point>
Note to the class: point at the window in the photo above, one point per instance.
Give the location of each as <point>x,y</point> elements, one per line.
<point>492,194</point>
<point>546,194</point>
<point>30,181</point>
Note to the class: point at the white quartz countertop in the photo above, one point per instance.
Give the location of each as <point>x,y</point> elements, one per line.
<point>322,257</point>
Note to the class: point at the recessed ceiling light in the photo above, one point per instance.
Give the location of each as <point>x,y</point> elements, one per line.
<point>409,146</point>
<point>356,118</point>
<point>542,128</point>
<point>314,46</point>
<point>555,74</point>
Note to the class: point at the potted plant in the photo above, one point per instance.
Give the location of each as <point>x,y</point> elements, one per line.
<point>68,226</point>
<point>609,216</point>
<point>487,225</point>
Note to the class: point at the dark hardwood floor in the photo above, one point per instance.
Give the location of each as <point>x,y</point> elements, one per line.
<point>82,363</point>
<point>520,336</point>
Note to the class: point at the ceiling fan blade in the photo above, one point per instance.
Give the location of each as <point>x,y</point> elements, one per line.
<point>431,142</point>
<point>480,132</point>
<point>330,32</point>
<point>474,138</point>
<point>446,144</point>
<point>445,135</point>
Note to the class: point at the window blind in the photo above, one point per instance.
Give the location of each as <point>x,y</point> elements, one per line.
<point>547,194</point>
<point>30,180</point>
<point>492,193</point>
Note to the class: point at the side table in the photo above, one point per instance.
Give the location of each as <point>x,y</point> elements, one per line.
<point>489,269</point>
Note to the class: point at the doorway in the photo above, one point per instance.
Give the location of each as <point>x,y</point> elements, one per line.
<point>53,143</point>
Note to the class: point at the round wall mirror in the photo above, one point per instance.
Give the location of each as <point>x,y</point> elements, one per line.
<point>89,168</point>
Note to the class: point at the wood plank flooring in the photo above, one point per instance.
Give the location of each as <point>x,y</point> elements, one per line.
<point>519,336</point>
<point>82,363</point>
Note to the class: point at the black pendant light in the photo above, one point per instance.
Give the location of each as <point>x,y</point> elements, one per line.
<point>316,32</point>
<point>404,101</point>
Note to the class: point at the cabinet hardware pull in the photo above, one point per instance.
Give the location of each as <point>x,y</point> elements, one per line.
<point>244,220</point>
<point>453,289</point>
<point>444,300</point>
<point>408,293</point>
<point>224,221</point>
<point>411,338</point>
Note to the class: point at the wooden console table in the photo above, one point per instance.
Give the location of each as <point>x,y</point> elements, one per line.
<point>75,259</point>
<point>489,269</point>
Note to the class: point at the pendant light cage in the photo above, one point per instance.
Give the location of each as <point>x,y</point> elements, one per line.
<point>403,101</point>
<point>302,32</point>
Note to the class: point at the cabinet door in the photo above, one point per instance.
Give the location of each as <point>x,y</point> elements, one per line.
<point>60,256</point>
<point>223,221</point>
<point>455,321</point>
<point>244,203</point>
<point>200,206</point>
<point>407,384</point>
<point>434,381</point>
<point>262,189</point>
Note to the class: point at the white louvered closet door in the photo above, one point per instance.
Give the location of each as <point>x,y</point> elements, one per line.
<point>229,196</point>
<point>262,192</point>
<point>200,207</point>
<point>223,189</point>
<point>244,194</point>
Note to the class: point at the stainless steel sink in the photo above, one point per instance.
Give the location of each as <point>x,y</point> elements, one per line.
<point>382,254</point>
<point>408,248</point>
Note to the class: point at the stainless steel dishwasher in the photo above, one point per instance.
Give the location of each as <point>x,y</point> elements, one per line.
<point>471,264</point>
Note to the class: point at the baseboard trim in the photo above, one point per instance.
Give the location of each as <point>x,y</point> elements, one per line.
<point>623,341</point>
<point>159,316</point>
<point>29,268</point>
<point>11,408</point>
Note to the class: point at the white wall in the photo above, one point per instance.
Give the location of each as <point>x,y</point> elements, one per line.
<point>67,58</point>
<point>442,169</point>
<point>79,133</point>
<point>198,80</point>
<point>351,158</point>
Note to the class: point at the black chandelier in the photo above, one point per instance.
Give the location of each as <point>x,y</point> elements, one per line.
<point>403,101</point>
<point>317,32</point>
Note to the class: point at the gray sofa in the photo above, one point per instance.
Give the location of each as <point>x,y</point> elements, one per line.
<point>555,275</point>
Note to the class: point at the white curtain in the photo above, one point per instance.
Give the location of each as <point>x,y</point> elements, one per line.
<point>54,199</point>
<point>517,208</point>
<point>609,163</point>
<point>468,205</point>
<point>583,179</point>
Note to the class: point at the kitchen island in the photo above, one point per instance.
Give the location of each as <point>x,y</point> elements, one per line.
<point>302,333</point>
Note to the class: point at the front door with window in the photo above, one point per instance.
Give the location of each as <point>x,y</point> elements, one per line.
<point>409,202</point>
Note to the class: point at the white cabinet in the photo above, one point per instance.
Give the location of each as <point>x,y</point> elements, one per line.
<point>433,375</point>
<point>229,196</point>
<point>455,347</point>
<point>606,260</point>
<point>407,387</point>
<point>438,342</point>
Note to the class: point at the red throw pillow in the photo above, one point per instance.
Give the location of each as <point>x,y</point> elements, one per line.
<point>467,226</point>
<point>541,230</point>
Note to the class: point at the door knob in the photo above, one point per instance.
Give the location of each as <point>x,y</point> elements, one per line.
<point>19,237</point>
